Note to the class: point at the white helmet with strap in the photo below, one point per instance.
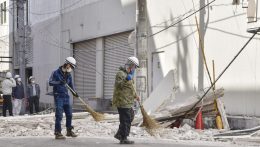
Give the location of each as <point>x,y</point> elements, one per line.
<point>133,60</point>
<point>71,61</point>
<point>17,76</point>
<point>31,77</point>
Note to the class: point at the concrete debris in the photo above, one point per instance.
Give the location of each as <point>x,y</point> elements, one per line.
<point>162,93</point>
<point>87,127</point>
<point>169,111</point>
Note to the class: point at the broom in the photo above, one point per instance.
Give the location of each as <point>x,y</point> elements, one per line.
<point>150,124</point>
<point>97,116</point>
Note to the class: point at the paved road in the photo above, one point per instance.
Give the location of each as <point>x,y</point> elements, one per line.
<point>92,142</point>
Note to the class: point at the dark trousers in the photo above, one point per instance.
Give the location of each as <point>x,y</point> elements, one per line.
<point>34,102</point>
<point>7,104</point>
<point>126,116</point>
<point>62,104</point>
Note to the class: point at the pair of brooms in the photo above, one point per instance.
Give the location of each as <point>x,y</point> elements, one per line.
<point>150,124</point>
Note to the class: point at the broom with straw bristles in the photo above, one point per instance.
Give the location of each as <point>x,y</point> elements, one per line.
<point>150,124</point>
<point>97,116</point>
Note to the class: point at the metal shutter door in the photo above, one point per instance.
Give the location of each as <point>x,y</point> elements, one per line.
<point>85,72</point>
<point>117,51</point>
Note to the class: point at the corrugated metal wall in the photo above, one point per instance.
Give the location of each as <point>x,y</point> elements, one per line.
<point>116,52</point>
<point>85,73</point>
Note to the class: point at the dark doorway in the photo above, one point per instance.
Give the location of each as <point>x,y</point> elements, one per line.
<point>28,73</point>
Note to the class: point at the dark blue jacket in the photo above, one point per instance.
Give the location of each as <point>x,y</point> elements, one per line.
<point>59,88</point>
<point>18,91</point>
<point>30,90</point>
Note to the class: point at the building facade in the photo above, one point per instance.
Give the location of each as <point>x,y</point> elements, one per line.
<point>6,36</point>
<point>96,33</point>
<point>223,28</point>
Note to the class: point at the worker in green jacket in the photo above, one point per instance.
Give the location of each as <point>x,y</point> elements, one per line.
<point>123,98</point>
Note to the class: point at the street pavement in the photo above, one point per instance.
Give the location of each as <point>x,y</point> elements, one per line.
<point>93,142</point>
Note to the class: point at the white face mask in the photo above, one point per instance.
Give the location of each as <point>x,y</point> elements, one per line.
<point>64,69</point>
<point>33,81</point>
<point>69,70</point>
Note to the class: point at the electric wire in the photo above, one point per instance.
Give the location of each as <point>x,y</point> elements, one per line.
<point>166,28</point>
<point>220,75</point>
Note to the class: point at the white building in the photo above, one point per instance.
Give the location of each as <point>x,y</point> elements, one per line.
<point>5,36</point>
<point>225,34</point>
<point>96,33</point>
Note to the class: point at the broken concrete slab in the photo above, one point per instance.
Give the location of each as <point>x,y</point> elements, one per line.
<point>188,103</point>
<point>164,91</point>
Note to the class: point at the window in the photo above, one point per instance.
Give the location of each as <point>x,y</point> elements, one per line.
<point>3,12</point>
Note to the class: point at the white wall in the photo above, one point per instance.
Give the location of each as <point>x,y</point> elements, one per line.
<point>178,43</point>
<point>225,35</point>
<point>53,32</point>
<point>4,39</point>
<point>104,17</point>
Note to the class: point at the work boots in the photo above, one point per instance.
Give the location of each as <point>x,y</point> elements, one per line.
<point>126,141</point>
<point>58,135</point>
<point>70,133</point>
<point>118,136</point>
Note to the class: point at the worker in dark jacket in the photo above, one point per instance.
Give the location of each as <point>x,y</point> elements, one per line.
<point>123,98</point>
<point>33,94</point>
<point>58,80</point>
<point>18,95</point>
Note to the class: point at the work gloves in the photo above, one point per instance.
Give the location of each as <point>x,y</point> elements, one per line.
<point>130,76</point>
<point>63,82</point>
<point>75,94</point>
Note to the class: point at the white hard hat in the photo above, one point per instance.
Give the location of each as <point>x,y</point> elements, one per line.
<point>133,60</point>
<point>71,61</point>
<point>8,75</point>
<point>31,77</point>
<point>17,76</point>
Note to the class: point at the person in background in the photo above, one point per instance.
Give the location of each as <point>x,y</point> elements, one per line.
<point>7,86</point>
<point>123,98</point>
<point>33,94</point>
<point>18,95</point>
<point>59,79</point>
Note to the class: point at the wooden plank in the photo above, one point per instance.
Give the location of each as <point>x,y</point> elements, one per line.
<point>223,115</point>
<point>239,132</point>
<point>189,103</point>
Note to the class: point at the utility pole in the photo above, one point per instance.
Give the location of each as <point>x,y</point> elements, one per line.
<point>141,48</point>
<point>202,33</point>
<point>21,38</point>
